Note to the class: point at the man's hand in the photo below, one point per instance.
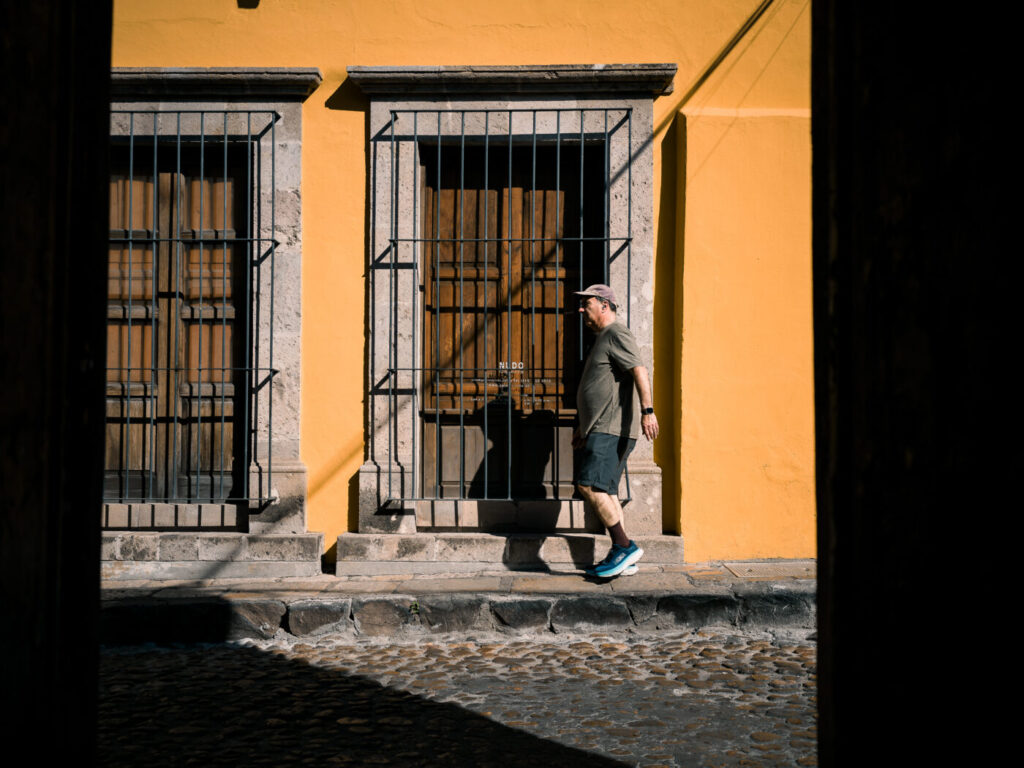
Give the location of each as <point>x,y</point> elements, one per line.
<point>649,422</point>
<point>649,426</point>
<point>577,439</point>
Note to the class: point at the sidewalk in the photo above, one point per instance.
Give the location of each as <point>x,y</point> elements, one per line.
<point>740,594</point>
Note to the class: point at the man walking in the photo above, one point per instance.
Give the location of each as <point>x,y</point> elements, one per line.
<point>607,429</point>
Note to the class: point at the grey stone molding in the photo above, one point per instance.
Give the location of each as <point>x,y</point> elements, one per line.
<point>387,488</point>
<point>263,83</point>
<point>529,79</point>
<point>275,94</point>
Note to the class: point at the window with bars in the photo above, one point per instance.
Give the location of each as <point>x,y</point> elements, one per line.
<point>187,268</point>
<point>503,215</point>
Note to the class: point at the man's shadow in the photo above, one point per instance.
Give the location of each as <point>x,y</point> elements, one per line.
<point>521,483</point>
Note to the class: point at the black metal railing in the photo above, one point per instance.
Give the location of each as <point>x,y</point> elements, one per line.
<point>503,214</point>
<point>191,307</point>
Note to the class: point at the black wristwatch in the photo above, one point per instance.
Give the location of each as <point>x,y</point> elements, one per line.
<point>646,411</point>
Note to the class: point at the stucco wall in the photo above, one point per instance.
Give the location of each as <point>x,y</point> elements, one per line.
<point>731,205</point>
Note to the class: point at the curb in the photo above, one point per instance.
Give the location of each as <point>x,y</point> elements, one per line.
<point>411,616</point>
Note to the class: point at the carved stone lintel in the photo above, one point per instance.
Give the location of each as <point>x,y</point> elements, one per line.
<point>578,79</point>
<point>197,83</point>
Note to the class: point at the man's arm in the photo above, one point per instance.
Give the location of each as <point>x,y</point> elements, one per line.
<point>648,422</point>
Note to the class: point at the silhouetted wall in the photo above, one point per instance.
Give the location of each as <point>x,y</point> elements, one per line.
<point>55,60</point>
<point>917,418</point>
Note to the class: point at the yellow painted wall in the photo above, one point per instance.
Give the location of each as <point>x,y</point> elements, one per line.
<point>731,201</point>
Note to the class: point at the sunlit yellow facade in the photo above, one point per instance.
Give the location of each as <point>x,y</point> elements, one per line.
<point>732,210</point>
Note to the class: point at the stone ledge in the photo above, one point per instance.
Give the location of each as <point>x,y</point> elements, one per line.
<point>191,83</point>
<point>577,79</point>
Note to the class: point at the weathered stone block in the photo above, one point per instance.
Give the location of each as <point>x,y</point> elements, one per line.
<point>531,614</point>
<point>641,607</point>
<point>382,616</point>
<point>255,618</point>
<point>470,547</point>
<point>110,547</point>
<point>768,605</point>
<point>283,547</point>
<point>164,515</point>
<point>309,617</point>
<point>222,547</point>
<point>179,546</point>
<point>661,549</point>
<point>140,515</point>
<point>697,611</point>
<point>524,550</point>
<point>188,515</point>
<point>115,515</point>
<point>589,612</point>
<point>140,546</point>
<point>454,613</point>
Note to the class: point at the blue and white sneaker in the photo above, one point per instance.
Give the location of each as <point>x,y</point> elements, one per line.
<point>629,571</point>
<point>618,560</point>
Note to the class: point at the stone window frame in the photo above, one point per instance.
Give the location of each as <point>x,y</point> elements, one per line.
<point>597,86</point>
<point>280,90</point>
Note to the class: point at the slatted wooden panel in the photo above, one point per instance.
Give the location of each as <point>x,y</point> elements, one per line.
<point>173,351</point>
<point>498,311</point>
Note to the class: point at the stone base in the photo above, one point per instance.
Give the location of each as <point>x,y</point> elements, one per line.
<point>474,552</point>
<point>286,513</point>
<point>377,514</point>
<point>196,555</point>
<point>642,514</point>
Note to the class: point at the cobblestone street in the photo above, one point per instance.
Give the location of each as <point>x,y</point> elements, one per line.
<point>709,698</point>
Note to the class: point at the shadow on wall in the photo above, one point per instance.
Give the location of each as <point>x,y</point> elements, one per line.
<point>668,322</point>
<point>232,705</point>
<point>349,98</point>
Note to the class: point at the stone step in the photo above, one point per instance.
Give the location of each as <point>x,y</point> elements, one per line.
<point>202,555</point>
<point>379,553</point>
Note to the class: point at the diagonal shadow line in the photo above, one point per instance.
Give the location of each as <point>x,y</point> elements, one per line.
<point>227,706</point>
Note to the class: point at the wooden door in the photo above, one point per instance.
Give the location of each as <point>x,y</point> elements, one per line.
<point>175,362</point>
<point>501,332</point>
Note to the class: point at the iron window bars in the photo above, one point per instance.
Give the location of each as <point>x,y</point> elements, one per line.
<point>191,307</point>
<point>468,370</point>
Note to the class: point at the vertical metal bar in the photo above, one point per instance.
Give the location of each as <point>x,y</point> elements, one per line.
<point>558,294</point>
<point>437,316</point>
<point>414,283</point>
<point>247,299</point>
<point>124,472</point>
<point>153,330</point>
<point>372,402</point>
<point>462,299</point>
<point>487,289</point>
<point>508,332</point>
<point>607,191</point>
<point>582,115</point>
<point>196,399</point>
<point>257,312</point>
<point>173,369</point>
<point>629,216</point>
<point>270,340</point>
<point>533,262</point>
<point>392,244</point>
<point>223,310</point>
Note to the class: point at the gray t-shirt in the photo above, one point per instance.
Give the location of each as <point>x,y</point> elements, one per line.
<point>605,398</point>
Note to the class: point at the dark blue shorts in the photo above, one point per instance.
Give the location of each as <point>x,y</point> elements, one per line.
<point>600,462</point>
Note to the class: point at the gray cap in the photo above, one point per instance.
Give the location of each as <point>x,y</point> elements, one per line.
<point>600,291</point>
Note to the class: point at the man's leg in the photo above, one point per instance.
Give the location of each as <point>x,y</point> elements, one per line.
<point>609,510</point>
